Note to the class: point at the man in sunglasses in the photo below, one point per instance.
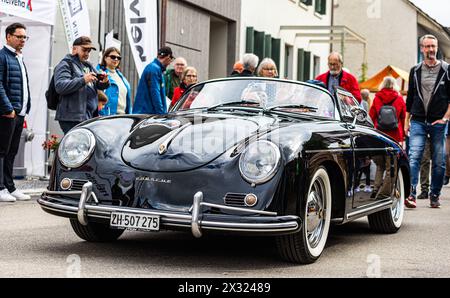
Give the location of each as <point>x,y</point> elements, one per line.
<point>15,103</point>
<point>77,83</point>
<point>151,94</point>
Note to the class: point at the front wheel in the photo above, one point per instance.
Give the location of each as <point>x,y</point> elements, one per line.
<point>95,232</point>
<point>307,245</point>
<point>390,220</point>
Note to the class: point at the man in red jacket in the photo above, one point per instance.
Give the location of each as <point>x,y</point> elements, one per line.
<point>336,76</point>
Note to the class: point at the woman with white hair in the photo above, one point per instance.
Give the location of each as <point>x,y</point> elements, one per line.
<point>267,69</point>
<point>389,96</point>
<point>250,62</point>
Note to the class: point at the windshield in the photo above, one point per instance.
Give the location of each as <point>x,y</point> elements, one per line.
<point>259,93</point>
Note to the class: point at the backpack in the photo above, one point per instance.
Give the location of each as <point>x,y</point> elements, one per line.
<point>51,95</point>
<point>387,118</point>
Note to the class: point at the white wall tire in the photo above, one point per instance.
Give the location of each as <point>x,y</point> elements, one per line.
<point>307,245</point>
<point>390,220</point>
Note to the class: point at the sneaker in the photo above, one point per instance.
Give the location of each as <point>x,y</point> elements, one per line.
<point>423,195</point>
<point>5,196</point>
<point>368,189</point>
<point>434,202</point>
<point>20,196</point>
<point>446,180</point>
<point>410,202</point>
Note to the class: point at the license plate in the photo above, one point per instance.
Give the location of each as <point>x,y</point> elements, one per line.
<point>134,222</point>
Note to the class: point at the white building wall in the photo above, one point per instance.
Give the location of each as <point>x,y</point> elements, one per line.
<point>269,15</point>
<point>390,28</point>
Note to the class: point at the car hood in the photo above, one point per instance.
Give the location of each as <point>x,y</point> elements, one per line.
<point>169,144</point>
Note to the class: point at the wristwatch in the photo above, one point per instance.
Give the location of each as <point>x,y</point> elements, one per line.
<point>445,119</point>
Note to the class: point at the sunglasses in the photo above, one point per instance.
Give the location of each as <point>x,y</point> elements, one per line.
<point>86,50</point>
<point>114,57</point>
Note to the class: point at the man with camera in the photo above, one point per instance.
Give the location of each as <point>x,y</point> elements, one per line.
<point>77,83</point>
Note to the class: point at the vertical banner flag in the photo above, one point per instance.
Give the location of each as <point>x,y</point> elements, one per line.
<point>43,11</point>
<point>141,19</point>
<point>75,16</point>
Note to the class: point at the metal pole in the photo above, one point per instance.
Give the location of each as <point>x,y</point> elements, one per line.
<point>50,73</point>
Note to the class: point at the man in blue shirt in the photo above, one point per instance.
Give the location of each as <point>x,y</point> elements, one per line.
<point>151,94</point>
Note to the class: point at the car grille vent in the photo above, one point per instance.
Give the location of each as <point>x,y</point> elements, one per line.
<point>235,199</point>
<point>77,185</point>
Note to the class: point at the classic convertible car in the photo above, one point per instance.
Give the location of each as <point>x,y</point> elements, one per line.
<point>244,155</point>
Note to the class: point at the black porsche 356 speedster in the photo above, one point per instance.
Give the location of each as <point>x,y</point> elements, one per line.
<point>251,156</point>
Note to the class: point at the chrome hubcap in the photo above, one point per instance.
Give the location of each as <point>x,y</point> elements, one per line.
<point>315,214</point>
<point>397,205</point>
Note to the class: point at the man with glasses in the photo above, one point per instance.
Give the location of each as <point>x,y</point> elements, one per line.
<point>15,103</point>
<point>151,93</point>
<point>77,83</point>
<point>338,77</point>
<point>428,113</point>
<point>172,77</point>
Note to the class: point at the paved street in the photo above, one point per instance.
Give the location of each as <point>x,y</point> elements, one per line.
<point>36,244</point>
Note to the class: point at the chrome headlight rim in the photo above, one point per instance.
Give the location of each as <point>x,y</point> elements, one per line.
<point>271,173</point>
<point>92,143</point>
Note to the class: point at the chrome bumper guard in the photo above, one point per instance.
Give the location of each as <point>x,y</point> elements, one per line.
<point>277,224</point>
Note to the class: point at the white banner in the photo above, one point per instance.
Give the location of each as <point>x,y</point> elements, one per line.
<point>43,11</point>
<point>141,19</point>
<point>75,15</point>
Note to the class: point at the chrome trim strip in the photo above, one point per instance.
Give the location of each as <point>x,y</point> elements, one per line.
<point>328,150</point>
<point>67,193</point>
<point>239,209</point>
<point>377,205</point>
<point>355,150</point>
<point>214,224</point>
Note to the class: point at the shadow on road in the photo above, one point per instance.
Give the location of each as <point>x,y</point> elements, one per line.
<point>230,253</point>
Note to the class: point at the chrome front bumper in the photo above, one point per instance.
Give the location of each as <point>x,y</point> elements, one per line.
<point>265,223</point>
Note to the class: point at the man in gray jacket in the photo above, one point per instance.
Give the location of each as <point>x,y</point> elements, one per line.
<point>77,82</point>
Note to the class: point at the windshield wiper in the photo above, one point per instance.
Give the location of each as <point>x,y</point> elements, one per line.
<point>312,109</point>
<point>232,104</point>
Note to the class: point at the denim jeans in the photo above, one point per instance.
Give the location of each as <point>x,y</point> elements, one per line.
<point>417,140</point>
<point>66,126</point>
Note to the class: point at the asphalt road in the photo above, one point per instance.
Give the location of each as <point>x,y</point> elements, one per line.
<point>36,244</point>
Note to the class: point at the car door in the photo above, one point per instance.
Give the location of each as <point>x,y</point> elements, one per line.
<point>373,157</point>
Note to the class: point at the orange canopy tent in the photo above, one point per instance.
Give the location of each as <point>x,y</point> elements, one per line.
<point>374,82</point>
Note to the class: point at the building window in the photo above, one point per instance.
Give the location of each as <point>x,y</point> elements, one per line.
<point>303,65</point>
<point>321,7</point>
<point>263,45</point>
<point>316,66</point>
<point>306,2</point>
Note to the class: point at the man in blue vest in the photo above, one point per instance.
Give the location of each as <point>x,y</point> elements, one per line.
<point>151,94</point>
<point>15,103</point>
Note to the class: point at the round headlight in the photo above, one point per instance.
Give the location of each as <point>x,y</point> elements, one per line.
<point>260,162</point>
<point>76,148</point>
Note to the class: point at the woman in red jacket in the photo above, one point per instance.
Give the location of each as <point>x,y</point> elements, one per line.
<point>188,78</point>
<point>390,96</point>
